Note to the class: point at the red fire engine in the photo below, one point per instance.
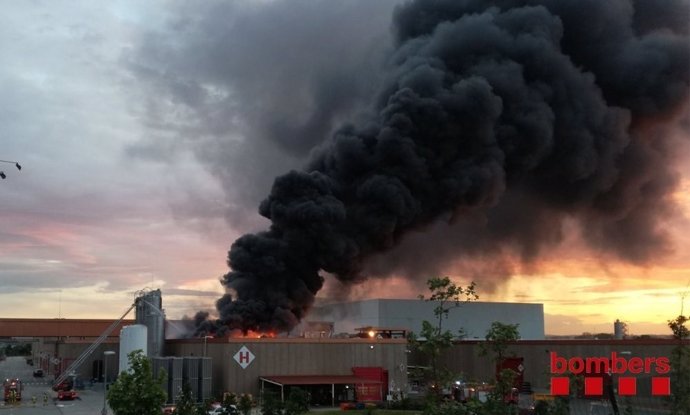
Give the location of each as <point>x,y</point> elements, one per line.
<point>13,390</point>
<point>65,390</point>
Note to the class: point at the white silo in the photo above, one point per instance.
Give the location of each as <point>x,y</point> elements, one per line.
<point>620,330</point>
<point>132,338</point>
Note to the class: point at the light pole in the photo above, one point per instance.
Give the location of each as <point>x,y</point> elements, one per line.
<point>2,173</point>
<point>105,379</point>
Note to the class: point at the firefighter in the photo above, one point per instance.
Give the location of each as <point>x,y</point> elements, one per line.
<point>45,398</point>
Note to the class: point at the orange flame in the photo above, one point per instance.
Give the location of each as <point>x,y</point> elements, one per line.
<point>252,334</point>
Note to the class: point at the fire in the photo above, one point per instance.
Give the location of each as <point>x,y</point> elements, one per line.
<point>250,334</point>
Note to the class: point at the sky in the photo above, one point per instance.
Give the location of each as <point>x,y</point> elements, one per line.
<point>149,132</point>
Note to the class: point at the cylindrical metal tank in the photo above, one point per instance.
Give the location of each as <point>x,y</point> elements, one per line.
<point>620,330</point>
<point>149,312</point>
<point>131,338</point>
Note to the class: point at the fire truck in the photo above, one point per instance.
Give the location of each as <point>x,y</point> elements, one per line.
<point>65,390</point>
<point>13,390</point>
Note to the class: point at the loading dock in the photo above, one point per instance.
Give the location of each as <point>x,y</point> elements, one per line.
<point>357,384</point>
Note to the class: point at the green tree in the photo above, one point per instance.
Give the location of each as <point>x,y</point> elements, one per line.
<point>137,391</point>
<point>203,408</point>
<point>680,366</point>
<point>498,339</point>
<point>271,405</point>
<point>677,326</point>
<point>245,404</point>
<point>22,349</point>
<point>297,402</point>
<point>229,403</point>
<point>432,339</point>
<point>448,296</point>
<point>185,404</point>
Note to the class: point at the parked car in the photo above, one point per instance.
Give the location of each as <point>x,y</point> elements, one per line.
<point>38,373</point>
<point>168,409</point>
<point>218,410</point>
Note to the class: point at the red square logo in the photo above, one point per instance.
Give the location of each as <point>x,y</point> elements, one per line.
<point>560,386</point>
<point>627,386</point>
<point>594,386</point>
<point>661,386</point>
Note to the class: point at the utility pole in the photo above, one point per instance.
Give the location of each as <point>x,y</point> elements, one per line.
<point>106,353</point>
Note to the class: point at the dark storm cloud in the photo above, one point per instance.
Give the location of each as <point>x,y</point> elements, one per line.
<point>251,87</point>
<point>500,119</point>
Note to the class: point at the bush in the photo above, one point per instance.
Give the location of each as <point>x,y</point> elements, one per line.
<point>245,404</point>
<point>271,404</point>
<point>297,402</point>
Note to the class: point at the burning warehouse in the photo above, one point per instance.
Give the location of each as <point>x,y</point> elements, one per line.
<point>333,367</point>
<point>495,128</point>
<point>494,125</point>
<point>366,366</point>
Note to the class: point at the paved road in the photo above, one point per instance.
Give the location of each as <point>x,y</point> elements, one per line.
<point>90,402</point>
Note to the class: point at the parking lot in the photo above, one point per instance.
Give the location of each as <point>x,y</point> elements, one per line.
<point>37,389</point>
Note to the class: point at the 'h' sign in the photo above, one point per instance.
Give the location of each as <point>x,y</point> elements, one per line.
<point>244,357</point>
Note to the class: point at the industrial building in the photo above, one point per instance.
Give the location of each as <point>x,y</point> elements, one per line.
<point>212,366</point>
<point>334,368</point>
<point>473,318</point>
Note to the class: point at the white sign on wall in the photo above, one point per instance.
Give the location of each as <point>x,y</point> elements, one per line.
<point>244,357</point>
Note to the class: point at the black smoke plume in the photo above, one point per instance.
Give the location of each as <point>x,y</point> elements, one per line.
<point>535,110</point>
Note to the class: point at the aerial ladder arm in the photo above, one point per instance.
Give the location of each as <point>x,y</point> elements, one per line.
<point>87,352</point>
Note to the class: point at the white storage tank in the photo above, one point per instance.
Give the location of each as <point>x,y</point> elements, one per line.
<point>132,338</point>
<point>620,330</point>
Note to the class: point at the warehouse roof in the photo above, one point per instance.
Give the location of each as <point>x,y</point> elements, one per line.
<point>58,327</point>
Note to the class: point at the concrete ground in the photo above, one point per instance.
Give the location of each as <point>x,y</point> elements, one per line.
<point>90,402</point>
<point>36,389</point>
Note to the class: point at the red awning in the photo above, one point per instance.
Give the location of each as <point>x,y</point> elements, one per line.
<point>318,380</point>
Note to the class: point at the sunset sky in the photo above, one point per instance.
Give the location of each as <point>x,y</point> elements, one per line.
<point>149,132</point>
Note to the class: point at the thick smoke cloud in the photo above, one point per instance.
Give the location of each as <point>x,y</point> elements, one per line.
<point>251,87</point>
<point>491,125</point>
<point>550,105</point>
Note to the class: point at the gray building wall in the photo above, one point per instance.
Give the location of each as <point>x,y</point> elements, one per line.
<point>293,356</point>
<point>66,352</point>
<point>475,317</point>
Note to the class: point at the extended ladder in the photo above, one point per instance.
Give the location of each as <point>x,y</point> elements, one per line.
<point>86,353</point>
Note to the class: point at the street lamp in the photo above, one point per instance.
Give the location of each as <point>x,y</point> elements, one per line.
<point>105,380</point>
<point>17,165</point>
